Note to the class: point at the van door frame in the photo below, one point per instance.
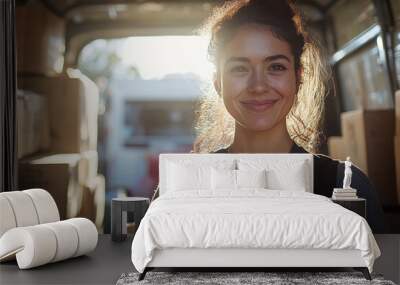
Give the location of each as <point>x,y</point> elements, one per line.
<point>8,123</point>
<point>383,32</point>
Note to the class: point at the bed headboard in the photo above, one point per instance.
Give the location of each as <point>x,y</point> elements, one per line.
<point>218,158</point>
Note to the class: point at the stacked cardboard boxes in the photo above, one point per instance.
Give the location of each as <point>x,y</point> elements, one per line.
<point>58,174</point>
<point>368,140</point>
<point>57,124</point>
<point>72,106</point>
<point>88,166</point>
<point>368,136</point>
<point>71,179</point>
<point>397,143</point>
<point>68,167</point>
<point>93,200</point>
<point>32,123</point>
<point>93,188</point>
<point>40,36</point>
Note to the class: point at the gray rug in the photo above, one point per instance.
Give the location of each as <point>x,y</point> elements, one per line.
<point>228,278</point>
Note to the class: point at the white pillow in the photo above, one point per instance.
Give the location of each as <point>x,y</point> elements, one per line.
<point>251,178</point>
<point>193,174</point>
<point>281,174</point>
<point>181,177</point>
<point>228,179</point>
<point>223,179</point>
<point>292,179</point>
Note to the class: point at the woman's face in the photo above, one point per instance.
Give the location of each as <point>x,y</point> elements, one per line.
<point>256,78</point>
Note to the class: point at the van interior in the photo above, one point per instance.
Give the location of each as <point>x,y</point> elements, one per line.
<point>105,86</point>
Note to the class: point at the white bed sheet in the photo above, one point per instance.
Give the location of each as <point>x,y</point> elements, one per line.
<point>250,218</point>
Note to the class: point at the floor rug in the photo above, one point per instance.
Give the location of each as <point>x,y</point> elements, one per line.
<point>273,278</point>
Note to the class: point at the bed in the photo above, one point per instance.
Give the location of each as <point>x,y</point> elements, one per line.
<point>247,210</point>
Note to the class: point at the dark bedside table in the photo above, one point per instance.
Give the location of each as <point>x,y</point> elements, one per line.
<point>357,205</point>
<point>119,214</point>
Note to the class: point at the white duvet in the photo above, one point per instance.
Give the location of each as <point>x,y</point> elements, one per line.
<point>253,218</point>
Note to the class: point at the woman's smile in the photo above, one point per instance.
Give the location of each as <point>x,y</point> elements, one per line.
<point>258,105</point>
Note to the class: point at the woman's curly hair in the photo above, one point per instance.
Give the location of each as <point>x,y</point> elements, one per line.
<point>214,126</point>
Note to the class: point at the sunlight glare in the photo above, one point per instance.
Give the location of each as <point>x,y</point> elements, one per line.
<point>158,56</point>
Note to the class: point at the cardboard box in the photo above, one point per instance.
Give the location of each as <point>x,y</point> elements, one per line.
<point>40,37</point>
<point>93,202</point>
<point>33,131</point>
<point>73,112</point>
<point>88,209</point>
<point>397,160</point>
<point>87,168</point>
<point>397,111</point>
<point>91,108</point>
<point>336,148</point>
<point>368,137</point>
<point>58,174</point>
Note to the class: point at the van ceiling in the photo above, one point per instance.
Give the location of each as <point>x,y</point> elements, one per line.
<point>87,20</point>
<point>111,9</point>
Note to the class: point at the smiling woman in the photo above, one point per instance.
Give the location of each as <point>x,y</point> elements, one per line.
<point>270,80</point>
<point>270,83</point>
<point>258,87</point>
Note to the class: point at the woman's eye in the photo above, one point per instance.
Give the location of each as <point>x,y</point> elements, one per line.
<point>278,67</point>
<point>238,69</point>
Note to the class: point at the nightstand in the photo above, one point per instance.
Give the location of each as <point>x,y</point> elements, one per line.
<point>119,214</point>
<point>357,205</point>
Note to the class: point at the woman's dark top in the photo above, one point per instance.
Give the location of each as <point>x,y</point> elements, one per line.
<point>329,174</point>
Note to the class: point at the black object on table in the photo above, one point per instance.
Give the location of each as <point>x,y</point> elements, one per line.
<point>357,205</point>
<point>119,214</point>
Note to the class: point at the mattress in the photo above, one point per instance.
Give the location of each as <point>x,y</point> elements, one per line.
<point>250,219</point>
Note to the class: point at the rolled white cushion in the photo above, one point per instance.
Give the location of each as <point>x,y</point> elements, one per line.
<point>67,239</point>
<point>33,246</point>
<point>87,235</point>
<point>7,218</point>
<point>45,205</point>
<point>23,208</point>
<point>41,244</point>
